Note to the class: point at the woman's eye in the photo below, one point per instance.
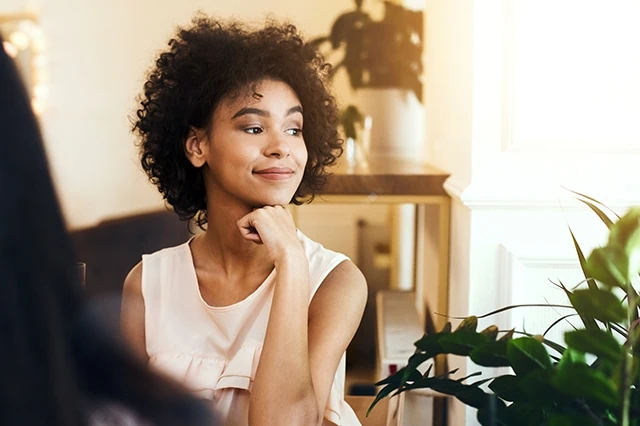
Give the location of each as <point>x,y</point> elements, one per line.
<point>253,130</point>
<point>294,132</point>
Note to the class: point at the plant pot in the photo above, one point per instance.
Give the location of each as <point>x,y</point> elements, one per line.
<point>398,124</point>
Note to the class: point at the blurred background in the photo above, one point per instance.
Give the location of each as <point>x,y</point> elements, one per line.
<point>519,99</point>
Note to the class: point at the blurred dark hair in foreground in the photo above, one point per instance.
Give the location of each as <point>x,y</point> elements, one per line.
<point>58,364</point>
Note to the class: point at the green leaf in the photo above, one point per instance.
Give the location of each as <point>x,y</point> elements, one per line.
<point>600,304</point>
<point>610,266</point>
<point>538,388</point>
<point>470,395</point>
<point>526,354</point>
<point>493,413</point>
<point>558,321</point>
<point>446,328</point>
<point>619,329</point>
<point>579,380</point>
<point>383,393</point>
<point>349,118</point>
<point>410,374</point>
<point>550,343</point>
<point>604,217</point>
<point>523,305</point>
<point>508,335</point>
<point>596,342</point>
<point>619,261</point>
<point>461,342</point>
<point>469,324</point>
<point>583,261</point>
<point>593,200</point>
<point>572,356</point>
<point>410,371</point>
<point>430,343</point>
<point>506,387</point>
<point>395,378</point>
<point>626,231</point>
<point>570,420</point>
<point>588,321</point>
<point>491,332</point>
<point>491,354</point>
<point>524,414</point>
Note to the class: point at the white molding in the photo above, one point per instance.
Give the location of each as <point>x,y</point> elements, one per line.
<point>499,195</point>
<point>519,261</point>
<point>539,255</point>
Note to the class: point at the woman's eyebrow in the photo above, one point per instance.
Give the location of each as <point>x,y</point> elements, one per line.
<point>247,110</point>
<point>296,108</point>
<point>263,113</point>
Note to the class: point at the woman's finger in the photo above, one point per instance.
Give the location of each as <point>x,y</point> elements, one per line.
<point>247,230</point>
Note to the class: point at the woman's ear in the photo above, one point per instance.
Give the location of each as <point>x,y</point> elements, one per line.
<point>194,147</point>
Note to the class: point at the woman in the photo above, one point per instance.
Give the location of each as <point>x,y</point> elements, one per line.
<point>58,365</point>
<point>234,125</point>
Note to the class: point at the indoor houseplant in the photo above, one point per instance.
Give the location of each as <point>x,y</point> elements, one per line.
<point>382,59</point>
<point>593,378</point>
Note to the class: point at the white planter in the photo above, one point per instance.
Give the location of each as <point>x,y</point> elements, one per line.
<point>398,124</point>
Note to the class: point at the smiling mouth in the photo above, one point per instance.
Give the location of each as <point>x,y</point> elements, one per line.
<point>275,173</point>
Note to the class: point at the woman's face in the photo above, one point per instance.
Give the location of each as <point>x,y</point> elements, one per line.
<point>256,151</point>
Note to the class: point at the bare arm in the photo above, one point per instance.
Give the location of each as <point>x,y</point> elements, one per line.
<point>334,315</point>
<point>303,343</point>
<point>283,391</point>
<point>302,358</point>
<point>132,313</point>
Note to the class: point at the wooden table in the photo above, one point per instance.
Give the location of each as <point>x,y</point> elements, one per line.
<point>394,182</point>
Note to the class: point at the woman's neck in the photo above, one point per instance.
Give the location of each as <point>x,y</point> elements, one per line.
<point>222,245</point>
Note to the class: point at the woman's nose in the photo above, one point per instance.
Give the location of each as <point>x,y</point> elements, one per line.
<point>278,147</point>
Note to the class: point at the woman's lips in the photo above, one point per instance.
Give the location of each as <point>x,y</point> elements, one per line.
<point>275,173</point>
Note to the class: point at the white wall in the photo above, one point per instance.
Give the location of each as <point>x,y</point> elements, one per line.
<point>98,52</point>
<point>546,94</point>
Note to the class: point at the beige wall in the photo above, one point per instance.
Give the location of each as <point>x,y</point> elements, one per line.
<point>448,84</point>
<point>97,54</point>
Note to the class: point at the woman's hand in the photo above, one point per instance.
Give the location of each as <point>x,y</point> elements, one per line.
<point>273,226</point>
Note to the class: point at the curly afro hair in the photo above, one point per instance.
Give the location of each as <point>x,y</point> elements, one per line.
<point>209,61</point>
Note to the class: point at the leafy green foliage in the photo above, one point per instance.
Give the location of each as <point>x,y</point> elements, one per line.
<point>596,342</point>
<point>379,54</point>
<point>544,389</point>
<point>350,118</point>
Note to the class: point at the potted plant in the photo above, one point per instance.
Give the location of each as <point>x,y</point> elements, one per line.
<point>382,59</point>
<point>593,378</point>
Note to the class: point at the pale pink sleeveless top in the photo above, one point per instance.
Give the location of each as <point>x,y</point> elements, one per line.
<point>215,351</point>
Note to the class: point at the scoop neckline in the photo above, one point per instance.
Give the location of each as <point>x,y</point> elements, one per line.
<point>194,275</point>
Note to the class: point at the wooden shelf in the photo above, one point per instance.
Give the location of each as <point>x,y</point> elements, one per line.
<point>387,178</point>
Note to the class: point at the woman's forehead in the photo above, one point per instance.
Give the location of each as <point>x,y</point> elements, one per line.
<point>265,94</point>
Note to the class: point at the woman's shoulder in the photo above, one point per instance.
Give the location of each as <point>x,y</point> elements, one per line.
<point>322,261</point>
<point>313,248</point>
<point>169,251</point>
<point>149,264</point>
<point>154,260</point>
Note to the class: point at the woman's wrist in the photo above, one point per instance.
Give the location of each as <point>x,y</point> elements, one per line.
<point>291,257</point>
<point>293,263</point>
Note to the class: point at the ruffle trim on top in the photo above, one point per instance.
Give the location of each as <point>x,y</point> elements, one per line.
<point>338,411</point>
<point>206,376</point>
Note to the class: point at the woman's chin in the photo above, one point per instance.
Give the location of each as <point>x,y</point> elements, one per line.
<point>272,201</point>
